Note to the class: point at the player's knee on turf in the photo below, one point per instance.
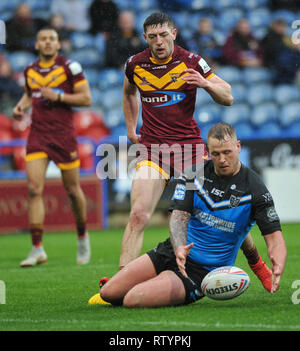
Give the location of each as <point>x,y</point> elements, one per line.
<point>135,298</point>
<point>110,293</point>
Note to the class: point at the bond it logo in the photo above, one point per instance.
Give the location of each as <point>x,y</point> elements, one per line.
<point>165,98</point>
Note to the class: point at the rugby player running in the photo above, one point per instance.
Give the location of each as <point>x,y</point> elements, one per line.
<point>53,84</point>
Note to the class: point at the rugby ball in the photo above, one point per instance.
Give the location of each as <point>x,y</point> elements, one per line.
<point>225,283</point>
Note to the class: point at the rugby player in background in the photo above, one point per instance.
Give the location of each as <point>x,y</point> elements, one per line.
<point>53,84</point>
<point>167,78</point>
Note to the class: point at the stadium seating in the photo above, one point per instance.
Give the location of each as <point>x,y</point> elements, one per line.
<point>228,18</point>
<point>230,74</point>
<point>289,114</point>
<point>269,130</point>
<point>259,17</point>
<point>258,93</point>
<point>236,113</point>
<point>89,58</point>
<point>114,117</point>
<point>264,113</point>
<point>284,94</point>
<point>253,75</point>
<point>81,40</point>
<point>259,107</point>
<point>209,113</point>
<point>244,130</point>
<point>239,92</point>
<point>20,59</point>
<point>110,77</point>
<point>112,98</point>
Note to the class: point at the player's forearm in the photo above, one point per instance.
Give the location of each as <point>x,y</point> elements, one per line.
<point>25,102</point>
<point>131,111</point>
<point>178,228</point>
<point>276,250</point>
<point>220,92</point>
<point>77,99</point>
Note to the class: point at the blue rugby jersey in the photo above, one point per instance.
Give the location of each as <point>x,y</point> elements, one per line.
<point>223,210</point>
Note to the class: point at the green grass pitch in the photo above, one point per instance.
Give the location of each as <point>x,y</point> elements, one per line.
<point>54,296</point>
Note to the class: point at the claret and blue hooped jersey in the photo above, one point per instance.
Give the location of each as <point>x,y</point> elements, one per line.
<point>223,210</point>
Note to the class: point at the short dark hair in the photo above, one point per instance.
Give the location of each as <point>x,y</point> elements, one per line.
<point>157,18</point>
<point>220,130</point>
<point>47,28</point>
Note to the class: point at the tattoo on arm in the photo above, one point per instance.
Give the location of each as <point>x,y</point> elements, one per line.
<point>178,228</point>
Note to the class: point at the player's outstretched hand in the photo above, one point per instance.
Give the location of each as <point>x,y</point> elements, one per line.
<point>181,255</point>
<point>277,271</point>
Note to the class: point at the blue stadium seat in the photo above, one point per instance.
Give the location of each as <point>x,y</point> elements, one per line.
<point>239,92</point>
<point>259,32</point>
<point>287,15</point>
<point>114,118</point>
<point>256,75</point>
<point>205,129</point>
<point>20,59</point>
<point>220,5</point>
<point>81,40</point>
<point>289,114</point>
<point>37,5</point>
<point>119,131</point>
<point>230,74</point>
<point>286,93</point>
<point>263,113</point>
<point>228,18</point>
<point>202,98</point>
<point>258,93</point>
<point>93,76</point>
<point>209,113</point>
<point>269,130</point>
<point>9,5</point>
<point>145,5</point>
<point>88,58</point>
<point>110,77</point>
<point>100,43</point>
<point>124,4</point>
<point>200,5</point>
<point>253,4</point>
<point>244,130</point>
<point>236,113</point>
<point>220,36</point>
<point>181,19</point>
<point>112,98</point>
<point>259,17</point>
<point>293,131</point>
<point>97,97</point>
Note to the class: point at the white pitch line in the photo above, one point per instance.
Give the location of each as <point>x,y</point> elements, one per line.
<point>197,325</point>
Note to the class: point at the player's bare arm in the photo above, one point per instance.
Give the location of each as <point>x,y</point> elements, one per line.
<point>178,234</point>
<point>22,106</point>
<point>217,88</point>
<point>277,254</point>
<point>80,97</point>
<point>131,109</point>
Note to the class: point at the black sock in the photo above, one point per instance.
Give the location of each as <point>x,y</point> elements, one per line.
<point>252,255</point>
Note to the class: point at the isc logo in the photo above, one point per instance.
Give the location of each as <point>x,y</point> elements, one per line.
<point>166,99</point>
<point>217,192</point>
